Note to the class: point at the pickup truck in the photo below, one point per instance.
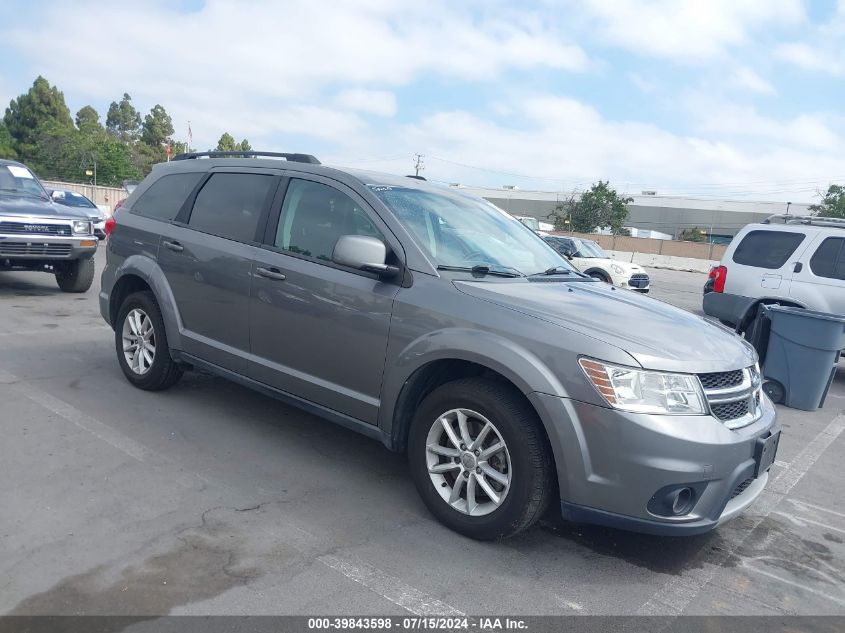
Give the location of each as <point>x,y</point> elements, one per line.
<point>38,234</point>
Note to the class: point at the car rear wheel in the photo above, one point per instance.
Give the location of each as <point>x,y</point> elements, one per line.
<point>480,459</point>
<point>141,344</point>
<point>76,276</point>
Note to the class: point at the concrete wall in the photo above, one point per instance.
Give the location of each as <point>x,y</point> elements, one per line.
<point>648,246</point>
<point>103,197</point>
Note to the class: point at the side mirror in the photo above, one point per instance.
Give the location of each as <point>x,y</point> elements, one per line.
<point>569,255</point>
<point>57,195</point>
<point>363,252</point>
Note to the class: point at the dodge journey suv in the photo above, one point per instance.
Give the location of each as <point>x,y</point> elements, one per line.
<point>438,324</point>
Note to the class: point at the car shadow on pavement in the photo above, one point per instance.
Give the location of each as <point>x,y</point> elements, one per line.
<point>15,287</point>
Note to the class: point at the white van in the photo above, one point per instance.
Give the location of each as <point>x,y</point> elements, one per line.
<point>786,259</point>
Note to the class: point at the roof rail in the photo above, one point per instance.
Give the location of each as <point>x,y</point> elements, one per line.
<point>808,220</point>
<point>296,158</point>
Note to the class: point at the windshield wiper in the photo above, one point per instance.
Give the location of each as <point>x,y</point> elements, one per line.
<point>485,269</point>
<point>554,270</point>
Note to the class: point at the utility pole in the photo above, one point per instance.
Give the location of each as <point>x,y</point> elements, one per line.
<point>418,164</point>
<point>787,207</point>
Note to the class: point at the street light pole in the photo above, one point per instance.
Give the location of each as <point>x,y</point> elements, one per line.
<point>787,207</point>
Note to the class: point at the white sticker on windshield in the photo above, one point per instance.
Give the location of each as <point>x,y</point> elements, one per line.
<point>20,172</point>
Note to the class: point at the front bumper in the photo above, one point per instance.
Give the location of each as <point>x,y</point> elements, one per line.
<point>22,246</point>
<point>612,464</point>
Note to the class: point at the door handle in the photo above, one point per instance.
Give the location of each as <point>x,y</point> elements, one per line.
<point>176,247</point>
<point>270,273</point>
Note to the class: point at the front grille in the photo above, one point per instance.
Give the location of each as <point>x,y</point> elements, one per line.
<point>721,380</point>
<point>638,280</point>
<point>741,487</point>
<point>34,228</point>
<point>730,410</point>
<point>10,249</point>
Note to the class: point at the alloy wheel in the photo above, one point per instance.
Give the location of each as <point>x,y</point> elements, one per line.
<point>139,341</point>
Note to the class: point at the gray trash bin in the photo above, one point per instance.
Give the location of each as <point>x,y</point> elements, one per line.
<point>801,355</point>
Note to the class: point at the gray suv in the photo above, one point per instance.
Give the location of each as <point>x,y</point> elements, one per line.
<point>436,323</point>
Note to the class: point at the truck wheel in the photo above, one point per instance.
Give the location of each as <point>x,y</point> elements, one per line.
<point>141,344</point>
<point>76,276</point>
<point>480,459</point>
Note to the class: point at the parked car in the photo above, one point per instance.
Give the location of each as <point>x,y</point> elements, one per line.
<point>512,381</point>
<point>39,235</point>
<point>73,199</point>
<point>788,260</point>
<point>588,257</point>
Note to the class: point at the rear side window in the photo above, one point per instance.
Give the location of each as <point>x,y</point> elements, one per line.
<point>829,259</point>
<point>767,249</point>
<point>230,205</point>
<point>166,196</point>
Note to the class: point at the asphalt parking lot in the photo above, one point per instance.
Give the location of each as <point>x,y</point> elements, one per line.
<point>212,499</point>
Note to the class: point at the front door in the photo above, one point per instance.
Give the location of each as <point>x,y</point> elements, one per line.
<point>319,330</point>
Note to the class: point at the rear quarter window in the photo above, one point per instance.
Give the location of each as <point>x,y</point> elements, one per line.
<point>767,249</point>
<point>829,259</point>
<point>166,196</point>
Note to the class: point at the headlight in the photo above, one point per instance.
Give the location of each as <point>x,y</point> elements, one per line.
<point>617,269</point>
<point>81,227</point>
<point>641,391</point>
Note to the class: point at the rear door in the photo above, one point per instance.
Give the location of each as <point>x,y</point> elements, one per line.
<point>319,330</point>
<point>820,282</point>
<point>762,263</point>
<point>207,256</point>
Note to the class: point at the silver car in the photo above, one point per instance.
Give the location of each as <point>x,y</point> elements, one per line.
<point>436,323</point>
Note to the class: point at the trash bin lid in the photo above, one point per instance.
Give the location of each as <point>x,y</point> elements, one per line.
<point>810,314</point>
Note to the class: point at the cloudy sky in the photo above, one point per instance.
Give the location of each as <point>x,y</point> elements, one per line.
<point>724,98</point>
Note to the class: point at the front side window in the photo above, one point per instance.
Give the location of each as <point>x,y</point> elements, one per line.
<point>166,196</point>
<point>461,231</point>
<point>314,216</point>
<point>230,205</point>
<point>829,259</point>
<point>767,249</point>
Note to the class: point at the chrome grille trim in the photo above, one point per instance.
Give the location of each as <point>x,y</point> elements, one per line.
<point>735,404</point>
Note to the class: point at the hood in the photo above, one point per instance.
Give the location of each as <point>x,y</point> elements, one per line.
<point>27,206</point>
<point>659,336</point>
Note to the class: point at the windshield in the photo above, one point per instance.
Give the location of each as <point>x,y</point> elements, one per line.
<point>589,250</point>
<point>461,231</point>
<point>72,199</point>
<point>17,180</point>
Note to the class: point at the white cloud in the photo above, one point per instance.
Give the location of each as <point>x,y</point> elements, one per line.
<point>814,58</point>
<point>688,30</point>
<point>560,143</point>
<point>746,79</point>
<point>378,102</point>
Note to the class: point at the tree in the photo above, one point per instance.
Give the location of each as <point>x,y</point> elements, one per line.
<point>695,234</point>
<point>7,147</point>
<point>29,113</point>
<point>157,128</point>
<point>88,120</point>
<point>227,144</point>
<point>832,204</point>
<point>123,120</point>
<point>600,206</point>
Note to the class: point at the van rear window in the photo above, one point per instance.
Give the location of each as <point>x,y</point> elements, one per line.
<point>767,249</point>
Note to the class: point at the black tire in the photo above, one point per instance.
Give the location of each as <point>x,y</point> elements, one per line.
<point>163,373</point>
<point>600,277</point>
<point>76,276</point>
<point>533,485</point>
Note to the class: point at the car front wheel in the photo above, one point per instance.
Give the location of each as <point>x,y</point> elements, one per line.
<point>480,459</point>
